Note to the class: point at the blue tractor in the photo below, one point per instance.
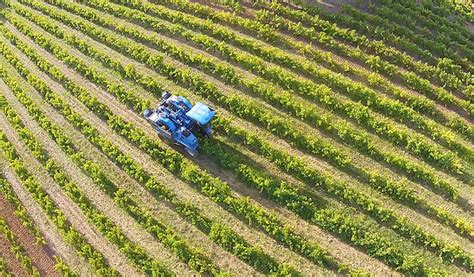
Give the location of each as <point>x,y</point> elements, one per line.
<point>177,120</point>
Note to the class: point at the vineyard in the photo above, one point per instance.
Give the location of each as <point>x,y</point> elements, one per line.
<point>343,140</point>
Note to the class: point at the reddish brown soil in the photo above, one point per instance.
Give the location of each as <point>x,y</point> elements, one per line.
<point>41,256</point>
<point>14,266</point>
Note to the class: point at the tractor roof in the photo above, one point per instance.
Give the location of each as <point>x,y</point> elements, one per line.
<point>201,113</point>
<point>154,117</point>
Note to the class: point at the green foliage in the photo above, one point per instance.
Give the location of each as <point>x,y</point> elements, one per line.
<point>256,86</point>
<point>17,249</point>
<point>302,171</point>
<point>274,54</point>
<point>4,270</point>
<point>212,187</point>
<point>235,102</point>
<point>316,146</point>
<point>382,24</point>
<point>370,46</point>
<point>71,236</point>
<point>195,259</point>
<point>402,12</point>
<point>274,17</point>
<point>63,269</point>
<point>20,210</point>
<point>104,225</point>
<point>234,5</point>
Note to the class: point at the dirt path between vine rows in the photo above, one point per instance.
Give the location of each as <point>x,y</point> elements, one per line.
<point>14,266</point>
<point>41,256</point>
<point>123,111</point>
<point>148,242</point>
<point>358,158</point>
<point>118,109</point>
<point>70,209</point>
<point>49,231</point>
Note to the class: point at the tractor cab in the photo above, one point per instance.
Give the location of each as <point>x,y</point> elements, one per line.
<point>201,115</point>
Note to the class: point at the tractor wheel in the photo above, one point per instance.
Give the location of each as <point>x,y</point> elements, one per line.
<point>162,137</point>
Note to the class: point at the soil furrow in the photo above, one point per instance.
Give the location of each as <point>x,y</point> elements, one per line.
<point>120,109</point>
<point>14,266</point>
<point>74,214</point>
<point>359,159</point>
<point>354,176</point>
<point>41,256</point>
<point>117,109</point>
<point>49,231</point>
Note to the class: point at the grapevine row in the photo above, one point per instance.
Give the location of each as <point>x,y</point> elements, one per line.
<point>377,181</point>
<point>251,46</point>
<point>445,217</point>
<point>331,154</point>
<point>63,269</point>
<point>273,54</point>
<point>461,10</point>
<point>439,42</point>
<point>132,101</point>
<point>373,47</point>
<point>20,210</point>
<point>438,134</point>
<point>4,270</point>
<point>109,230</point>
<point>71,235</point>
<point>433,21</point>
<point>281,126</point>
<point>309,52</point>
<point>410,79</point>
<point>434,52</point>
<point>117,123</point>
<point>322,120</point>
<point>448,65</point>
<point>379,48</point>
<point>218,232</point>
<point>136,139</point>
<point>289,81</point>
<point>300,169</point>
<point>142,139</point>
<point>27,222</point>
<point>359,93</point>
<point>210,186</point>
<point>162,232</point>
<point>17,249</point>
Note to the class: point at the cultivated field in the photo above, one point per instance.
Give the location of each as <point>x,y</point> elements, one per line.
<point>343,141</point>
